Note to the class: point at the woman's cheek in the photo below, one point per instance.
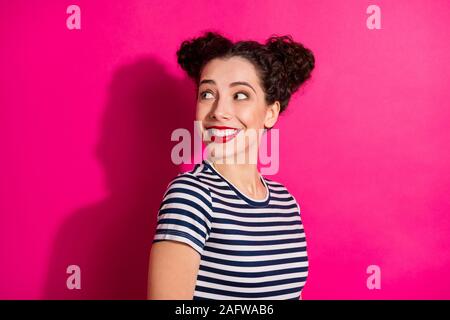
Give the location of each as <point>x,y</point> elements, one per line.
<point>246,115</point>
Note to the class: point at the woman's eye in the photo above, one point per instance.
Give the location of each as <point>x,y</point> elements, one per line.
<point>242,93</point>
<point>204,93</point>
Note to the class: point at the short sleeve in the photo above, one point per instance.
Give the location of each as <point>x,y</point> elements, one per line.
<point>185,212</point>
<point>300,217</point>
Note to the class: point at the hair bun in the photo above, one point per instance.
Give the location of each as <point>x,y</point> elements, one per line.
<point>296,60</point>
<point>194,52</point>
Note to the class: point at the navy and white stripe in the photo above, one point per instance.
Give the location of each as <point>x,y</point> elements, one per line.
<point>250,249</point>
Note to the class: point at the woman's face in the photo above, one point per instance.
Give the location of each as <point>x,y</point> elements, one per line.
<point>231,109</point>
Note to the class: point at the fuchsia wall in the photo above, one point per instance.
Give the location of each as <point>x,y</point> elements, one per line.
<point>86,117</point>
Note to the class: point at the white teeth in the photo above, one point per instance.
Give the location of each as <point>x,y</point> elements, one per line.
<point>221,132</point>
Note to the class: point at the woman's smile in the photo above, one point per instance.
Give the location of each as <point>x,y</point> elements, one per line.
<point>221,134</point>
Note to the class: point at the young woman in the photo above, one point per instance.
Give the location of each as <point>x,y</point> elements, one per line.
<point>224,231</point>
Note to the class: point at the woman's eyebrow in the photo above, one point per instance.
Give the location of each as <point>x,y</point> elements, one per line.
<point>236,83</point>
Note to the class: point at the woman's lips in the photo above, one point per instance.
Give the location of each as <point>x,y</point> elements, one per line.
<point>221,134</point>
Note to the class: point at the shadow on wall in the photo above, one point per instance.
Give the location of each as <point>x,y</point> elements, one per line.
<point>110,240</point>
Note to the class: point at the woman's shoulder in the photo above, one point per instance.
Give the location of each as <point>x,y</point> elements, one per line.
<point>280,188</point>
<point>189,183</point>
<point>275,184</point>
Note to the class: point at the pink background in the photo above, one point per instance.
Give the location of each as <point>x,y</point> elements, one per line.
<point>86,117</point>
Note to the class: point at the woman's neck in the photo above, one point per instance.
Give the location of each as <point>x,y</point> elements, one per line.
<point>245,177</point>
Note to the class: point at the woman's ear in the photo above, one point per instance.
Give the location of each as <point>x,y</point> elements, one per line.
<point>272,114</point>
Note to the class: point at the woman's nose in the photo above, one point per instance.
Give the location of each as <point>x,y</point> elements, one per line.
<point>221,110</point>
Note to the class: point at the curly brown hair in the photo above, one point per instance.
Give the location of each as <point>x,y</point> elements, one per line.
<point>282,64</point>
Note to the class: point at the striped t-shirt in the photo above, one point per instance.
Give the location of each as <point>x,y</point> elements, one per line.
<point>249,248</point>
